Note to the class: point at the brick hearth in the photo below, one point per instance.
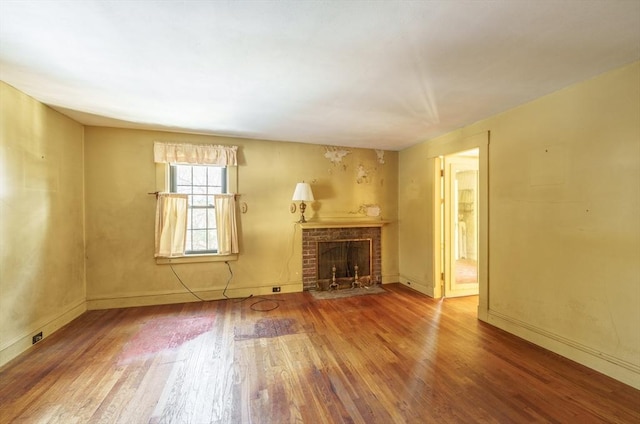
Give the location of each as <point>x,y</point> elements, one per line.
<point>311,236</point>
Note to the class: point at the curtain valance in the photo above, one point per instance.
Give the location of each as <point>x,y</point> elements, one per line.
<point>203,154</point>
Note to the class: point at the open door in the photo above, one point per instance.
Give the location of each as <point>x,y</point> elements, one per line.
<point>461,224</point>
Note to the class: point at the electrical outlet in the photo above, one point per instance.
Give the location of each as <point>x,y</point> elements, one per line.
<point>276,289</point>
<point>35,339</point>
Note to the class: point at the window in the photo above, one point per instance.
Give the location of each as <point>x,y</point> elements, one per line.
<point>206,175</point>
<point>200,182</point>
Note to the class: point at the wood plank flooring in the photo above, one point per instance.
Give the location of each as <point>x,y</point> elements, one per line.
<point>396,357</point>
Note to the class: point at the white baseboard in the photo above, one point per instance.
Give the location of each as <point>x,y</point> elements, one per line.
<point>611,366</point>
<point>416,284</point>
<point>170,297</point>
<point>47,326</point>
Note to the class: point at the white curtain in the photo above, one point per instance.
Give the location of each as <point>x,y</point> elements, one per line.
<point>202,154</point>
<point>226,221</point>
<point>171,224</point>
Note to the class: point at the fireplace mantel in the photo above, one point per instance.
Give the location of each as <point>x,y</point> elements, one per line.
<point>343,224</point>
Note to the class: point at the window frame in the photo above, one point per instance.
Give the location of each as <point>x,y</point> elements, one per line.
<point>173,188</point>
<point>163,184</point>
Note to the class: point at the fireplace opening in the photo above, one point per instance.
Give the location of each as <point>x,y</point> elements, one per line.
<point>350,258</point>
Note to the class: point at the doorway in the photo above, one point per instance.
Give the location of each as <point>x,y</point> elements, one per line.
<point>460,223</point>
<point>453,148</point>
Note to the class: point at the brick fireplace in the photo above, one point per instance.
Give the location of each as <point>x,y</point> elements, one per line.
<point>312,234</point>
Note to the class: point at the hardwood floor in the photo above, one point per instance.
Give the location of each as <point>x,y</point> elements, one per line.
<point>397,357</point>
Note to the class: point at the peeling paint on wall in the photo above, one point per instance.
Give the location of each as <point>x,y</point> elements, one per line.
<point>380,155</point>
<point>363,175</point>
<point>335,154</point>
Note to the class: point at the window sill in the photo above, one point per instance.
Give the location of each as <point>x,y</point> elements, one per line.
<point>190,259</point>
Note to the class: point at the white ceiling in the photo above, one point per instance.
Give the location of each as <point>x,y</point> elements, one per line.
<point>378,74</point>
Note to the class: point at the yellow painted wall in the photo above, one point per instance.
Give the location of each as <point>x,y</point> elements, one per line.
<point>42,284</point>
<point>564,233</point>
<point>119,172</point>
<point>416,217</point>
<point>564,221</point>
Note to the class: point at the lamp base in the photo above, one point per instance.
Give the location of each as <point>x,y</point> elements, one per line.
<point>303,206</point>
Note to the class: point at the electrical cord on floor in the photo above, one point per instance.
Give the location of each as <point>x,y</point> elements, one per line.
<point>264,299</point>
<point>184,285</point>
<point>224,293</point>
<point>252,306</point>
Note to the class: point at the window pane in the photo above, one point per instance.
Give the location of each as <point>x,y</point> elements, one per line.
<point>199,240</point>
<point>184,175</point>
<point>215,175</point>
<point>199,200</point>
<point>199,218</point>
<point>200,175</point>
<point>199,189</point>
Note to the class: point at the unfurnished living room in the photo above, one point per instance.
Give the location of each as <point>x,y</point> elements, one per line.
<point>319,211</point>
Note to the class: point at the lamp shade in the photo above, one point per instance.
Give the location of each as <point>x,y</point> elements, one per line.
<point>303,192</point>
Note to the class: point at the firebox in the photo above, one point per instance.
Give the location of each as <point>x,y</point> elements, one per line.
<point>343,262</point>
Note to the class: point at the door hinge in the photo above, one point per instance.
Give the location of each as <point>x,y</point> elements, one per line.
<point>442,172</point>
<point>442,276</point>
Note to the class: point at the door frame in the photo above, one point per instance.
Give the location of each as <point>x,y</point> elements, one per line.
<point>448,224</point>
<point>444,147</point>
